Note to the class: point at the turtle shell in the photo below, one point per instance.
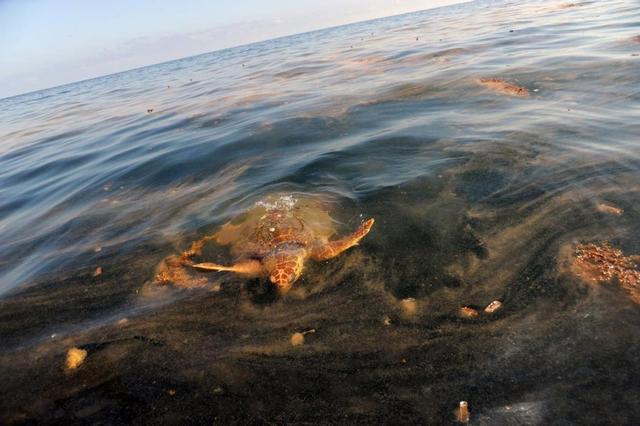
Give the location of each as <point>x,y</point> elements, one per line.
<point>275,221</point>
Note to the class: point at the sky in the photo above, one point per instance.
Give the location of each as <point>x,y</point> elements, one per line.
<point>46,43</point>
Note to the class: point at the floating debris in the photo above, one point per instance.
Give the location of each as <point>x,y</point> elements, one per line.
<point>149,110</point>
<point>492,307</point>
<point>468,312</point>
<point>97,272</point>
<point>603,263</point>
<point>610,209</point>
<point>171,392</point>
<point>409,306</point>
<point>386,320</point>
<point>75,357</point>
<point>297,339</point>
<point>501,86</point>
<point>462,414</point>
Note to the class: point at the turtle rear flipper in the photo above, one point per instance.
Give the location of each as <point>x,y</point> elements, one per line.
<point>246,267</point>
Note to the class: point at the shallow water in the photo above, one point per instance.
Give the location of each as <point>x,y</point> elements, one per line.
<point>477,196</point>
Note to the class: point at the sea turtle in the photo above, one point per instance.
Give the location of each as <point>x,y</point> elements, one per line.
<point>274,239</point>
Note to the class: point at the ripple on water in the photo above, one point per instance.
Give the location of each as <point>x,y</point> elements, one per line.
<point>477,195</point>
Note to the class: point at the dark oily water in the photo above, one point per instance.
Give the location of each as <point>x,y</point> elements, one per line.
<point>480,192</point>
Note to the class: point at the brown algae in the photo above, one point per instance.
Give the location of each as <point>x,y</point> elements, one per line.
<point>609,209</point>
<point>75,358</point>
<point>503,87</point>
<point>604,263</point>
<point>468,312</point>
<point>493,307</point>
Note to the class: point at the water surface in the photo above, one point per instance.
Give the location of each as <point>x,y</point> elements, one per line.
<point>477,197</point>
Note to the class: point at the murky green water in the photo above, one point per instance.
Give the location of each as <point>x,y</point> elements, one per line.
<point>477,195</point>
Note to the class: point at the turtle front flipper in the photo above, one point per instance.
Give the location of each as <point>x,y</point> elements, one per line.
<point>249,267</point>
<point>334,248</point>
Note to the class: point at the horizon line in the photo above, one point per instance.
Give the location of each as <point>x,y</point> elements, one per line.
<point>232,47</point>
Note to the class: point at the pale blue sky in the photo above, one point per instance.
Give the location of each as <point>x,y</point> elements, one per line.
<point>45,43</point>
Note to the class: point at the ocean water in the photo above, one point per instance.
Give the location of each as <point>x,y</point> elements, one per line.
<point>478,196</point>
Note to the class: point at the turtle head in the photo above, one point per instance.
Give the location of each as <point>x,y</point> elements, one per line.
<point>284,265</point>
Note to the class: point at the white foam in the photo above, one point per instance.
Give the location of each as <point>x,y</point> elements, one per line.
<point>284,202</point>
